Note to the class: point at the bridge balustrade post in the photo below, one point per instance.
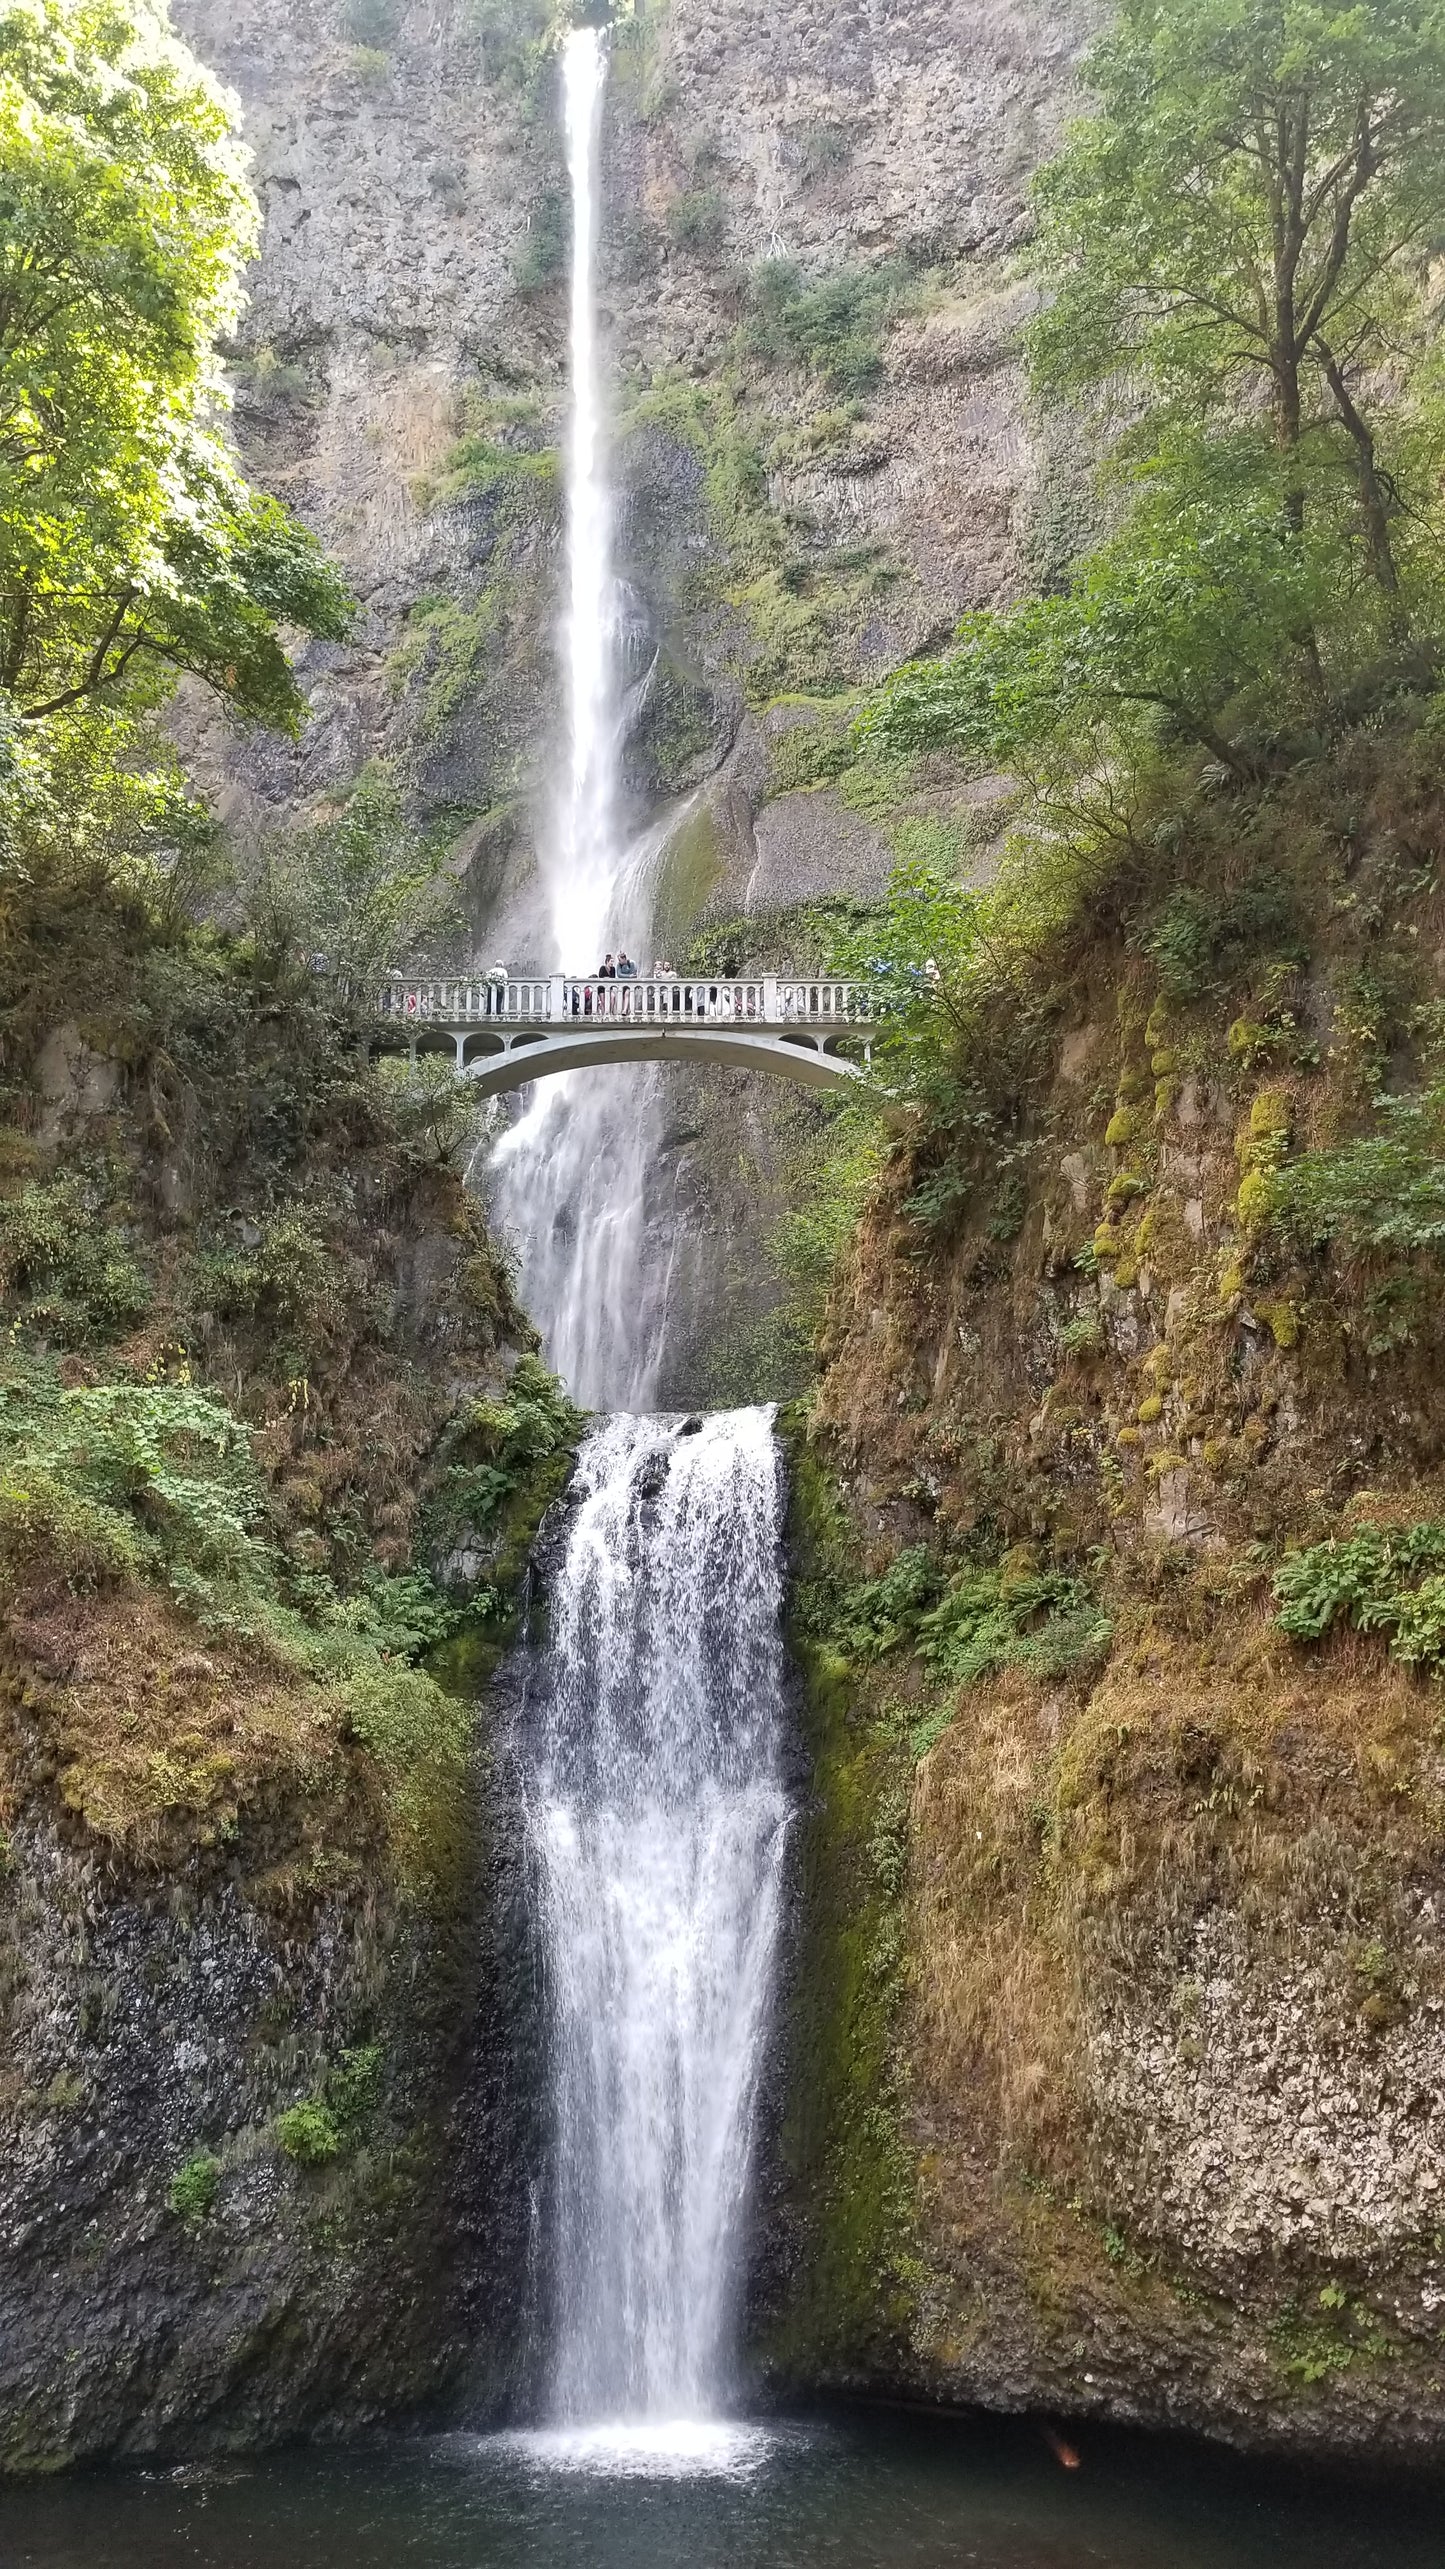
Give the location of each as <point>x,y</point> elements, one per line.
<point>770,1000</point>
<point>556,996</point>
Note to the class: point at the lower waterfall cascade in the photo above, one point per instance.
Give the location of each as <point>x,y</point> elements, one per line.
<point>657,1820</point>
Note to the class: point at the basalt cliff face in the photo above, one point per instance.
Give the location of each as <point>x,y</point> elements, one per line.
<point>805,492</point>
<point>1119,2044</point>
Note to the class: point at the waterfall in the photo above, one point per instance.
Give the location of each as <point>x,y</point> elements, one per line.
<point>657,1817</point>
<point>570,1177</point>
<point>651,1740</point>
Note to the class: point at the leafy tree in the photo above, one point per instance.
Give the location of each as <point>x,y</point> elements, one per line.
<point>1235,253</point>
<point>361,886</point>
<point>1201,594</point>
<point>130,549</point>
<point>1245,223</point>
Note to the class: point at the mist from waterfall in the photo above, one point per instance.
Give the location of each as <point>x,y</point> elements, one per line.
<point>658,1818</point>
<point>570,1177</point>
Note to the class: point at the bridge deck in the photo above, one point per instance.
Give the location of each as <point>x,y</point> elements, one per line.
<point>508,1032</point>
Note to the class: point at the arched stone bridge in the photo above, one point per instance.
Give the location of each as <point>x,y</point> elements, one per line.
<point>506,1033</point>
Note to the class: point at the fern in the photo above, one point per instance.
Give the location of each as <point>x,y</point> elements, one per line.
<point>1383,1579</point>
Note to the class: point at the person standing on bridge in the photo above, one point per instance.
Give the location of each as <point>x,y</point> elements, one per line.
<point>626,971</point>
<point>497,990</point>
<point>607,999</point>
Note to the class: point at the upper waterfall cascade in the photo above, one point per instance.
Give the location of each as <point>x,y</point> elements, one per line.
<point>571,1177</point>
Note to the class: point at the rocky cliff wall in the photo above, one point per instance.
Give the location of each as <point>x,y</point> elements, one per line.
<point>798,509</point>
<point>1119,2039</point>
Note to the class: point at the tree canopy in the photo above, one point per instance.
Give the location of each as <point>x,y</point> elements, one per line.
<point>1235,252</point>
<point>130,547</point>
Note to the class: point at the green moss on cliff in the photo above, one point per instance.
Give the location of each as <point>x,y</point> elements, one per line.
<point>849,2167</point>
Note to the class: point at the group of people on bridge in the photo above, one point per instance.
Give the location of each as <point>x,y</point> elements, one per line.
<point>614,990</point>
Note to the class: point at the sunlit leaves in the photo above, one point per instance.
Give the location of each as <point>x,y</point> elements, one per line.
<point>130,548</point>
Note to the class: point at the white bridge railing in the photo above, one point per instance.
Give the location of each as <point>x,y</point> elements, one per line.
<point>767,1001</point>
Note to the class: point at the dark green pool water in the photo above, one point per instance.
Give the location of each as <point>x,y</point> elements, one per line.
<point>852,2494</point>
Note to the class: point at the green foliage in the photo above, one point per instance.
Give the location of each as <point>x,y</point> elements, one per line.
<point>546,246</point>
<point>698,221</point>
<point>129,547</point>
<point>1048,1624</point>
<point>1202,934</point>
<point>913,952</point>
<point>833,327</point>
<point>1315,2342</point>
<point>1381,1194</point>
<point>478,468</point>
<point>969,1624</point>
<point>308,2133</point>
<point>191,2193</point>
<point>288,1281</point>
<point>63,1273</point>
<point>511,36</point>
<point>449,644</point>
<point>879,1615</point>
<point>494,1451</point>
<point>353,2088</point>
<point>1246,221</point>
<point>404,1718</point>
<point>1382,1579</point>
<point>1197,601</point>
<point>332,2123</point>
<point>827,1195</point>
<point>128,1479</point>
<point>364,888</point>
<point>403,1615</point>
<point>1234,253</point>
<point>157,1482</point>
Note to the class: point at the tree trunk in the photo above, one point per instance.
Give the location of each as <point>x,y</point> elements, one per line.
<point>1374,507</point>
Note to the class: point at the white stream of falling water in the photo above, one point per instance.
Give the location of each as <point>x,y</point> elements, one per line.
<point>570,1176</point>
<point>658,1818</point>
<point>652,1752</point>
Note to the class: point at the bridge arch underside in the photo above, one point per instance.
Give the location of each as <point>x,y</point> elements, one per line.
<point>500,1064</point>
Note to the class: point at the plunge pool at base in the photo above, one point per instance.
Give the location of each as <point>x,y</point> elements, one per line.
<point>852,2492</point>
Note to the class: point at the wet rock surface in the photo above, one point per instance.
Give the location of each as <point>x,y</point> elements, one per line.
<point>179,2272</point>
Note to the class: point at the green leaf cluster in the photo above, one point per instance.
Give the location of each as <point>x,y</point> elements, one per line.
<point>308,2133</point>
<point>191,2194</point>
<point>493,1452</point>
<point>63,1272</point>
<point>128,1480</point>
<point>1381,1193</point>
<point>334,2122</point>
<point>130,549</point>
<point>970,1623</point>
<point>1382,1579</point>
<point>833,325</point>
<point>361,888</point>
